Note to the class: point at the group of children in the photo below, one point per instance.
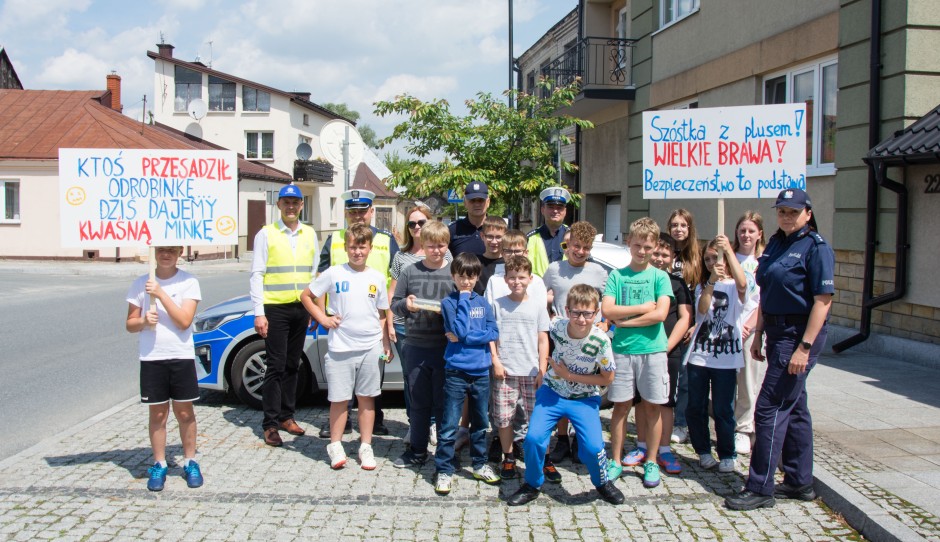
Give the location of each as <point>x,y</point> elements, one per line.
<point>518,353</point>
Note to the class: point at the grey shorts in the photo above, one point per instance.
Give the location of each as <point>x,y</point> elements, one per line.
<point>358,371</point>
<point>647,373</point>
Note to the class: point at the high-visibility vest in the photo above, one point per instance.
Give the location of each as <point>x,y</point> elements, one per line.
<point>288,271</point>
<point>379,257</point>
<point>538,254</point>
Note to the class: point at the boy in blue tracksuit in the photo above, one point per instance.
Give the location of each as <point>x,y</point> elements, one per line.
<point>470,325</point>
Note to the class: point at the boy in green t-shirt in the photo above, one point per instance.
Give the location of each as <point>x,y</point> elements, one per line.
<point>636,300</point>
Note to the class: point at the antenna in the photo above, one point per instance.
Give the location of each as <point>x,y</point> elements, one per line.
<point>197,109</point>
<point>162,39</point>
<point>210,53</point>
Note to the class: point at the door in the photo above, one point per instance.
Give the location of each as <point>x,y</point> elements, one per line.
<point>255,220</point>
<point>612,233</point>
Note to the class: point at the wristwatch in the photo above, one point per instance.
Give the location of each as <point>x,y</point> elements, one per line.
<point>806,345</point>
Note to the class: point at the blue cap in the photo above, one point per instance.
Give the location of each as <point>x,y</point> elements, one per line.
<point>476,190</point>
<point>555,194</point>
<point>290,191</point>
<point>794,198</point>
<point>358,199</point>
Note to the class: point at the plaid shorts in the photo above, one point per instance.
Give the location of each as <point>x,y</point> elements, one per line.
<point>510,393</point>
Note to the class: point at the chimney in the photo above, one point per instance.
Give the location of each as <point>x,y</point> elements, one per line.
<point>165,49</point>
<point>114,87</point>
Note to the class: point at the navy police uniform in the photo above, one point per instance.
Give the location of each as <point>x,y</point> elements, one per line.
<point>793,269</point>
<point>464,235</point>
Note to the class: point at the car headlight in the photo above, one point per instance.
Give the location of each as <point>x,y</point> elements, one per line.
<point>214,322</point>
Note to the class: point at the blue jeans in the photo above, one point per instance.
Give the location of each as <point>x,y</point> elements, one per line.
<point>584,415</point>
<point>457,386</point>
<point>400,333</point>
<point>722,383</point>
<point>425,376</point>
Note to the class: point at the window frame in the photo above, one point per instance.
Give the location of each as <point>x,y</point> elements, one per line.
<point>675,4</point>
<point>189,86</point>
<point>259,142</point>
<point>18,212</point>
<point>815,167</point>
<point>258,93</point>
<point>225,106</point>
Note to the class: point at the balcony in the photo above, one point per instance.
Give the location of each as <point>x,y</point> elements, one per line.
<point>604,66</point>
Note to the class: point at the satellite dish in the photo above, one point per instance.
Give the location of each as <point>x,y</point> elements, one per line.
<point>304,151</point>
<point>332,139</point>
<point>197,109</point>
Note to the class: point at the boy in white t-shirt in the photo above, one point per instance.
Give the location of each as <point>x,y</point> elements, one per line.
<point>167,358</point>
<point>358,340</point>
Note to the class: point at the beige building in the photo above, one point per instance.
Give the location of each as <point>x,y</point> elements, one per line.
<point>640,55</point>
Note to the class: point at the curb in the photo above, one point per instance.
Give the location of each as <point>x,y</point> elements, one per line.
<point>863,515</point>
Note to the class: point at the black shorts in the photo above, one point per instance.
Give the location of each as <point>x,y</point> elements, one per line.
<point>165,379</point>
<point>674,363</point>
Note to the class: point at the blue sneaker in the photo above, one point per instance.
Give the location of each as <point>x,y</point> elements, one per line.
<point>635,457</point>
<point>668,462</point>
<point>157,477</point>
<point>650,474</point>
<point>613,470</point>
<point>192,474</point>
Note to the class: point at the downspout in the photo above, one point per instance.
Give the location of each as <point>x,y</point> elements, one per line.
<point>877,176</point>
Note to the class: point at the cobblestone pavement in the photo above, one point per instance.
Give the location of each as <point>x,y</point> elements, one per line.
<point>89,484</point>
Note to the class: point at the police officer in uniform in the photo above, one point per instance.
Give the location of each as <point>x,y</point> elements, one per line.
<point>466,234</point>
<point>544,242</point>
<point>795,275</point>
<point>285,256</point>
<point>359,210</point>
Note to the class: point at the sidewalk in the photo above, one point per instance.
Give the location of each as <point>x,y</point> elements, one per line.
<point>121,269</point>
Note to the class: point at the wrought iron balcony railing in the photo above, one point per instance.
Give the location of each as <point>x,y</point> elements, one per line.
<point>599,62</point>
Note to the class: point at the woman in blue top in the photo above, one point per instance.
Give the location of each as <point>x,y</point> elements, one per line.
<point>795,275</point>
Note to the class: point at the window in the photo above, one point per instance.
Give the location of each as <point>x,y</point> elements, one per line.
<point>334,212</point>
<point>10,201</point>
<point>188,87</point>
<point>221,94</point>
<point>306,119</point>
<point>530,82</point>
<point>255,100</point>
<point>259,145</point>
<point>673,10</point>
<point>306,214</point>
<point>816,85</point>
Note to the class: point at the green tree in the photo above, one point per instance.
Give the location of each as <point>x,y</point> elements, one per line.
<point>508,148</point>
<point>368,135</point>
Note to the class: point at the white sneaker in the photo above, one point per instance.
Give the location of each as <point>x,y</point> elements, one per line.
<point>726,465</point>
<point>432,436</point>
<point>707,461</point>
<point>442,487</point>
<point>486,474</point>
<point>463,438</point>
<point>679,435</point>
<point>337,454</point>
<point>366,457</point>
<point>742,443</point>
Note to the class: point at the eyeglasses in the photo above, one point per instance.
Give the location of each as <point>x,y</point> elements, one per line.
<point>419,224</point>
<point>587,315</point>
<point>511,252</point>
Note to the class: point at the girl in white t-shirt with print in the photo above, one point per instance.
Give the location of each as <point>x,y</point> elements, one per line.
<point>725,302</point>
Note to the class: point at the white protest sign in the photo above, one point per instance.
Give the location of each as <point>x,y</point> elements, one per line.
<point>140,197</point>
<point>724,152</point>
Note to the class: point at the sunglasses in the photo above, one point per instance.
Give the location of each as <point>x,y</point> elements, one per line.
<point>419,224</point>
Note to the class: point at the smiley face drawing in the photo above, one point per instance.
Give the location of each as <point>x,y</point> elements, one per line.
<point>75,195</point>
<point>225,225</point>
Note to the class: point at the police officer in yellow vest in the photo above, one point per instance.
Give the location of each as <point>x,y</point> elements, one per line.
<point>359,210</point>
<point>544,242</point>
<point>285,257</point>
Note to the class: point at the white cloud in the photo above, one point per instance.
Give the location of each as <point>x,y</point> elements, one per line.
<point>421,87</point>
<point>74,70</point>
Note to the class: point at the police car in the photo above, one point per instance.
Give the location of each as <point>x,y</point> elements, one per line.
<point>232,354</point>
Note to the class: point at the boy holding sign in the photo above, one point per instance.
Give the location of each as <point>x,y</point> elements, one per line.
<point>161,309</point>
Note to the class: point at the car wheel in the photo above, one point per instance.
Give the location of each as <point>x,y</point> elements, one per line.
<point>248,374</point>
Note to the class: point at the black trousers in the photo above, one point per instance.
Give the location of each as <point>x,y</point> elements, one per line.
<point>287,327</point>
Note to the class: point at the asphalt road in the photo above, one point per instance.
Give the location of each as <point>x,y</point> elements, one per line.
<point>64,354</point>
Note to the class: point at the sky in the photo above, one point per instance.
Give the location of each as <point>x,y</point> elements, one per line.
<point>351,51</point>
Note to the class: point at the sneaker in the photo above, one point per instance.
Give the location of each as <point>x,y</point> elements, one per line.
<point>634,457</point>
<point>742,443</point>
<point>410,459</point>
<point>610,493</point>
<point>726,465</point>
<point>487,475</point>
<point>707,461</point>
<point>379,429</point>
<point>680,435</point>
<point>192,474</point>
<point>524,495</point>
<point>786,491</point>
<point>550,472</point>
<point>442,487</point>
<point>613,470</point>
<point>668,462</point>
<point>748,500</point>
<point>561,449</point>
<point>337,455</point>
<point>432,436</point>
<point>650,474</point>
<point>157,477</point>
<point>463,439</point>
<point>508,470</point>
<point>495,453</point>
<point>366,457</point>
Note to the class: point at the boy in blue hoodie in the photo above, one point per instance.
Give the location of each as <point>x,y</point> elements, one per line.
<point>470,325</point>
